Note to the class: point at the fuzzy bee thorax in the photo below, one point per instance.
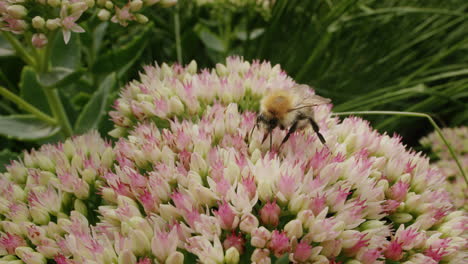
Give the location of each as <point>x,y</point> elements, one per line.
<point>277,104</point>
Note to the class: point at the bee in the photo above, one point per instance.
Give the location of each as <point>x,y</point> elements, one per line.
<point>289,109</point>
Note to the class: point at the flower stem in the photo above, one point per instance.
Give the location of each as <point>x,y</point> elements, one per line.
<point>27,106</point>
<point>177,35</point>
<point>414,114</point>
<point>22,53</point>
<point>59,112</point>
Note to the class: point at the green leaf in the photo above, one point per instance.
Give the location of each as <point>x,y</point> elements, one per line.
<point>26,127</point>
<point>211,40</point>
<point>121,58</point>
<point>31,90</point>
<point>5,156</point>
<point>59,76</point>
<point>283,259</point>
<point>66,55</point>
<point>242,35</point>
<point>5,48</point>
<point>98,36</point>
<point>95,109</point>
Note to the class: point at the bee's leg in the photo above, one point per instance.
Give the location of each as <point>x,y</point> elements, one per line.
<point>259,119</point>
<point>265,136</point>
<point>291,130</point>
<point>271,139</point>
<point>316,129</point>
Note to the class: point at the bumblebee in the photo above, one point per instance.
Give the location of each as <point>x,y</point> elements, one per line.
<point>289,109</point>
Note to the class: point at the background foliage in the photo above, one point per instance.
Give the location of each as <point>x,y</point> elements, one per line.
<point>363,54</point>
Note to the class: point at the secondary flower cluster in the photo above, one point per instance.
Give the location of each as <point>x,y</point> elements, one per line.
<point>41,17</point>
<point>38,193</point>
<point>261,6</point>
<point>206,190</point>
<point>455,182</point>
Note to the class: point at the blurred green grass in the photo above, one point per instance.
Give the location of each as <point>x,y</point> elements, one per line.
<point>369,55</point>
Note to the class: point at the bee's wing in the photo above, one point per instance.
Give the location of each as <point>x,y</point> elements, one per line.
<point>307,98</point>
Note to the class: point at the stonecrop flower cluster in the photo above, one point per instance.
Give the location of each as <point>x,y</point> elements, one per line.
<point>455,182</point>
<point>262,7</point>
<point>202,190</point>
<point>41,17</point>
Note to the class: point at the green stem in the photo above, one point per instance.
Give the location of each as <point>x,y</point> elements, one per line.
<point>20,50</point>
<point>27,106</point>
<point>177,35</point>
<point>59,112</point>
<point>414,114</point>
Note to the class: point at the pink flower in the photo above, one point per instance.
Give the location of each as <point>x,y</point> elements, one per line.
<point>269,214</point>
<point>302,252</point>
<point>69,24</point>
<point>9,242</point>
<point>234,240</point>
<point>279,243</point>
<point>394,251</point>
<point>164,243</point>
<point>399,190</point>
<point>123,15</point>
<point>227,218</point>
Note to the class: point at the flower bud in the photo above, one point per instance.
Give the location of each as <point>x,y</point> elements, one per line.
<point>38,22</point>
<point>12,228</point>
<point>294,228</point>
<point>53,24</point>
<point>175,105</point>
<point>297,203</point>
<point>17,11</point>
<point>140,244</point>
<point>168,212</point>
<point>39,40</point>
<point>175,258</point>
<point>78,7</point>
<point>90,3</point>
<point>53,3</point>
<point>401,218</point>
<point>232,256</point>
<point>261,256</point>
<point>39,215</point>
<point>109,5</point>
<point>136,5</point>
<point>104,15</point>
<point>127,257</point>
<point>248,223</point>
<point>192,67</point>
<point>28,255</point>
<point>80,206</point>
<point>142,19</point>
<point>150,2</point>
<point>168,3</point>
<point>260,237</point>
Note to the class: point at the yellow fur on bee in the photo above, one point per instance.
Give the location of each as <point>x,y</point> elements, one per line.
<point>277,103</point>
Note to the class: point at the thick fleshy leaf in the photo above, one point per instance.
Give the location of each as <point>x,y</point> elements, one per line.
<point>59,76</point>
<point>5,48</point>
<point>95,109</point>
<point>66,55</point>
<point>31,90</point>
<point>242,35</point>
<point>211,40</point>
<point>123,57</point>
<point>26,127</point>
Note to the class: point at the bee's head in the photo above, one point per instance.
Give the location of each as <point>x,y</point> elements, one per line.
<point>270,121</point>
